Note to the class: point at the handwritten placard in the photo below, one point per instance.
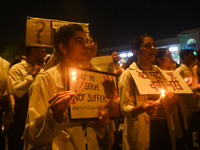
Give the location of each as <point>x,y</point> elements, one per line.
<point>92,89</point>
<point>102,62</point>
<point>40,31</point>
<point>153,81</point>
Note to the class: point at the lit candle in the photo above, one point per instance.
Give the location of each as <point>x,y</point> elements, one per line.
<point>162,95</point>
<point>73,81</point>
<point>186,79</point>
<point>120,64</point>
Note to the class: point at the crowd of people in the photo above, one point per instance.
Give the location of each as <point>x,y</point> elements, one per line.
<point>34,99</point>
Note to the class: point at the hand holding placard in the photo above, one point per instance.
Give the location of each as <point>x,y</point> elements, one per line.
<point>59,103</point>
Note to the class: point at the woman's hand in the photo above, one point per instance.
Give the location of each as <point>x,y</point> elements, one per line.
<point>149,107</point>
<point>172,98</point>
<point>59,104</point>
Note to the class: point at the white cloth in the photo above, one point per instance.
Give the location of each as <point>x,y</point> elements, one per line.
<point>5,87</point>
<point>41,128</point>
<point>188,101</point>
<point>4,80</point>
<point>136,131</point>
<point>21,78</point>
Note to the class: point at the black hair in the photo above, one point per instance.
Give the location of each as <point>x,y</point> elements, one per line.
<point>160,53</point>
<point>198,54</point>
<point>184,52</point>
<point>15,61</point>
<point>63,35</point>
<point>136,43</point>
<point>113,50</point>
<point>28,50</point>
<point>130,61</point>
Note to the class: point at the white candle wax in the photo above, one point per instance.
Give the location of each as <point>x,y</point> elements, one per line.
<point>73,81</point>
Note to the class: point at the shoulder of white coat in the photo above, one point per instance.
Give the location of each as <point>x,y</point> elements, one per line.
<point>126,74</point>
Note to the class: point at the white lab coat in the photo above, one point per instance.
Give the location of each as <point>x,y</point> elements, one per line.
<point>136,131</point>
<point>41,130</point>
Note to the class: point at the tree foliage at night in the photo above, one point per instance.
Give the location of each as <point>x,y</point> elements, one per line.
<point>13,50</point>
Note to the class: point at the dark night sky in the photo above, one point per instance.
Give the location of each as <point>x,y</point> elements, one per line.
<point>112,23</point>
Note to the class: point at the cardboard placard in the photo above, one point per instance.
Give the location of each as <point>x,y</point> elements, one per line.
<point>153,81</point>
<point>40,31</point>
<point>92,89</point>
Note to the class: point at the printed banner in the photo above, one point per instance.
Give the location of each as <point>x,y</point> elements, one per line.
<point>152,82</point>
<point>102,62</point>
<point>40,32</point>
<point>92,89</point>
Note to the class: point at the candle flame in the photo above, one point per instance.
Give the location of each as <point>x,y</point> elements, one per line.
<point>186,79</point>
<point>120,64</point>
<point>73,73</point>
<point>162,91</point>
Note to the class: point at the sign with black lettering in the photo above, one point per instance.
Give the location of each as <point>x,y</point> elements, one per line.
<point>102,62</point>
<point>41,31</point>
<point>92,89</point>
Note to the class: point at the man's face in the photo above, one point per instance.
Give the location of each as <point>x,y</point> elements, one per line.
<point>115,57</point>
<point>40,55</point>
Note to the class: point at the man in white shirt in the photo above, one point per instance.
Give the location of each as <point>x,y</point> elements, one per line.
<point>21,76</point>
<point>188,102</point>
<point>5,91</point>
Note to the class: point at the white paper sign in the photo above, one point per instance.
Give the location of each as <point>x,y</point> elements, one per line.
<point>152,82</point>
<point>102,62</point>
<point>92,89</point>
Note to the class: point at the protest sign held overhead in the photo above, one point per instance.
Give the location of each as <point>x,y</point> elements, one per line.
<point>40,31</point>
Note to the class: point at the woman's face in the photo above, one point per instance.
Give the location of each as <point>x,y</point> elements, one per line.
<point>77,48</point>
<point>165,61</point>
<point>147,51</point>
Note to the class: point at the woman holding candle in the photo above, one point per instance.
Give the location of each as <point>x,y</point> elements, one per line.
<point>147,124</point>
<point>47,124</point>
<point>164,61</point>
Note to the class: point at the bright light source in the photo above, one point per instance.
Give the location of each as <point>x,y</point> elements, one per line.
<point>191,41</point>
<point>122,55</point>
<point>73,73</point>
<point>130,54</point>
<point>173,48</point>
